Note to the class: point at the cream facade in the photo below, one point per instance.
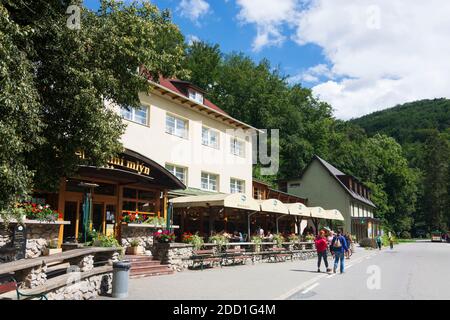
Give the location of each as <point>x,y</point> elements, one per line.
<point>175,135</point>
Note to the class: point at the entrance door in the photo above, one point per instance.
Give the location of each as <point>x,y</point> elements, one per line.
<point>70,214</point>
<point>110,218</point>
<point>98,217</point>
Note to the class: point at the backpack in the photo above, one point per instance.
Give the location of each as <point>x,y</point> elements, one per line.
<point>337,243</point>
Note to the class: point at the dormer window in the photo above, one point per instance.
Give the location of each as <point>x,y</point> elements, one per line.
<point>196,96</point>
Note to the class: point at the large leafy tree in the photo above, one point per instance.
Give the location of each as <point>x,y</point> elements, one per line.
<point>55,81</point>
<point>436,181</point>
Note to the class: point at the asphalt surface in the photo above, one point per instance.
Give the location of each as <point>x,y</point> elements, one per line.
<point>410,271</point>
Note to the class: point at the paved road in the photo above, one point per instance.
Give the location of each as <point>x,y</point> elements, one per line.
<point>410,271</point>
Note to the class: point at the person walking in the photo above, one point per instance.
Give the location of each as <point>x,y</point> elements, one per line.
<point>379,242</point>
<point>348,239</point>
<point>322,247</point>
<point>391,242</point>
<point>339,247</point>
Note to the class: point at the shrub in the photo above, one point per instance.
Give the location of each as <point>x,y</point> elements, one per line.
<point>293,238</point>
<point>405,235</point>
<point>106,241</point>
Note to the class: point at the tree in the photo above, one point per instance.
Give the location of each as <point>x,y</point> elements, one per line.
<point>436,182</point>
<point>63,78</point>
<point>203,60</point>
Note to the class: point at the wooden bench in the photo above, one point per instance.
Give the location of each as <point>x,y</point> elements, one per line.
<point>236,254</point>
<point>8,284</point>
<point>278,253</point>
<point>206,256</point>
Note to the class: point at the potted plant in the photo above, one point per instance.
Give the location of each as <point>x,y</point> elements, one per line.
<point>193,239</point>
<point>133,249</point>
<point>257,240</point>
<point>278,239</point>
<point>293,239</point>
<point>164,236</point>
<point>52,248</point>
<point>220,239</point>
<point>309,238</point>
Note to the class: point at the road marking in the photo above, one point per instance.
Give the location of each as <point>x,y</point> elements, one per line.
<point>349,266</point>
<point>297,289</point>
<point>312,281</point>
<point>310,288</point>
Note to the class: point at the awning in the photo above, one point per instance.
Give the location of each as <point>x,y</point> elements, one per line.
<point>299,209</point>
<point>273,205</point>
<point>317,212</point>
<point>334,215</point>
<point>237,201</point>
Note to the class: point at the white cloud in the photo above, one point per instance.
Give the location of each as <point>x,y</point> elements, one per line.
<point>269,16</point>
<point>313,74</point>
<point>381,53</point>
<point>193,9</point>
<point>192,38</point>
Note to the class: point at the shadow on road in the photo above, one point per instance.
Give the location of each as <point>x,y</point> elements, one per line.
<point>307,271</point>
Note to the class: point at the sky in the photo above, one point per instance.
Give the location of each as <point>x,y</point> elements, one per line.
<point>358,55</point>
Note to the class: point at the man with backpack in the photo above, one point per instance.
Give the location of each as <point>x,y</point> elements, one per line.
<point>339,247</point>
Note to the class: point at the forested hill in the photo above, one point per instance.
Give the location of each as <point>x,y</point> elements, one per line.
<point>423,130</point>
<point>406,122</point>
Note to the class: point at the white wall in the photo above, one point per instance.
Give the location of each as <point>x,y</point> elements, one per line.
<point>153,142</point>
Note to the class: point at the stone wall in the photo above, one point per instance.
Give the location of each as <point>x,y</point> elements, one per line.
<point>143,235</point>
<point>175,254</point>
<point>38,235</point>
<point>86,289</point>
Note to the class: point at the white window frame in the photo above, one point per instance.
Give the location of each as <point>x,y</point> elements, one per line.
<point>132,114</point>
<point>233,147</point>
<point>208,187</point>
<point>234,185</point>
<point>173,170</point>
<point>208,142</point>
<point>196,96</point>
<point>173,131</point>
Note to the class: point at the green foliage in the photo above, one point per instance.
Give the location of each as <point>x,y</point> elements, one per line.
<point>134,243</point>
<point>278,239</point>
<point>106,241</point>
<point>220,239</point>
<point>193,239</point>
<point>157,221</point>
<point>423,130</point>
<point>257,239</point>
<point>54,82</point>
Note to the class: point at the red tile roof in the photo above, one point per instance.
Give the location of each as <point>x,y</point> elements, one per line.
<point>168,83</point>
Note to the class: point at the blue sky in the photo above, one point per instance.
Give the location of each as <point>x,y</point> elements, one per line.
<point>222,26</point>
<point>358,55</point>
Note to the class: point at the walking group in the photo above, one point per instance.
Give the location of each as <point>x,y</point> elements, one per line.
<point>338,244</point>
